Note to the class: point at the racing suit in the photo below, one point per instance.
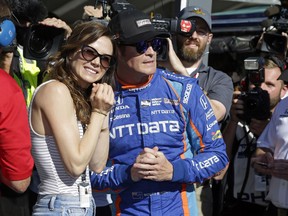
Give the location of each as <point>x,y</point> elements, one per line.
<point>170,112</point>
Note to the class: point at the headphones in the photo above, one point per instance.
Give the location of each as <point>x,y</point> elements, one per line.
<point>7,32</point>
<point>279,62</point>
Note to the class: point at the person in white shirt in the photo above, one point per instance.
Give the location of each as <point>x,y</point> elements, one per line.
<point>272,154</point>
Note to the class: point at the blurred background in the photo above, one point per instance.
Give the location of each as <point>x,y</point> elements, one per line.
<point>71,10</point>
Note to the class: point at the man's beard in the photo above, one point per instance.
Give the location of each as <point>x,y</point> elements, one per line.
<point>190,55</point>
<point>274,101</point>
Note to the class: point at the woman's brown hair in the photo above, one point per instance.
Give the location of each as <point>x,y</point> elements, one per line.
<point>59,67</point>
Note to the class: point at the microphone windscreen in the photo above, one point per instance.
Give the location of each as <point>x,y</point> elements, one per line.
<point>267,23</point>
<point>272,10</point>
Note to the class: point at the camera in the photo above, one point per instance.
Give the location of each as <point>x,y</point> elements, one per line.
<point>119,5</point>
<point>273,41</point>
<point>256,104</point>
<point>165,25</point>
<point>42,41</point>
<point>112,7</point>
<point>171,26</point>
<point>256,100</point>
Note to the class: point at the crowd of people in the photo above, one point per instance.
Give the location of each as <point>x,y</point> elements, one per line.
<point>102,127</point>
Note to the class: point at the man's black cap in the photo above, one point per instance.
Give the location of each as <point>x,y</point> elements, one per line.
<point>133,26</point>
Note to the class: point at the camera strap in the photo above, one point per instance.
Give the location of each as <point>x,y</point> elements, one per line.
<point>248,152</point>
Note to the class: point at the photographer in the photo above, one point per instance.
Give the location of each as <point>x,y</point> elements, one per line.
<point>190,51</point>
<point>271,154</point>
<point>187,60</point>
<point>247,192</point>
<point>27,14</point>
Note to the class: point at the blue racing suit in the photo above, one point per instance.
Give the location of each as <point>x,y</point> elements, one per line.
<point>170,112</point>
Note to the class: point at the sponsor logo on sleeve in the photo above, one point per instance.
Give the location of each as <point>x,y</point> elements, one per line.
<point>206,163</point>
<point>216,135</point>
<point>211,125</point>
<point>209,114</point>
<point>204,102</point>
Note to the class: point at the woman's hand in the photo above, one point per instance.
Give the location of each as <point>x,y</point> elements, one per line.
<point>102,98</point>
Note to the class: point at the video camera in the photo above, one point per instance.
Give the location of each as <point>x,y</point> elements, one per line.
<point>167,25</point>
<point>256,100</point>
<point>273,41</point>
<point>42,41</point>
<point>172,26</point>
<point>111,7</point>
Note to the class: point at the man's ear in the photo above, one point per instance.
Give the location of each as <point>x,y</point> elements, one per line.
<point>284,90</point>
<point>210,36</point>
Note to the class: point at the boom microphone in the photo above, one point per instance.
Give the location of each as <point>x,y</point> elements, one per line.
<point>267,23</point>
<point>272,10</point>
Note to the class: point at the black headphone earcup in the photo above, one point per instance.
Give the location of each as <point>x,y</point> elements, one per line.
<point>7,32</point>
<point>281,64</point>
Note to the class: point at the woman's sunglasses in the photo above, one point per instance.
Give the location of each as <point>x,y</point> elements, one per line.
<point>89,54</point>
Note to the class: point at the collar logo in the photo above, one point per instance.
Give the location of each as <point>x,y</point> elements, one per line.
<point>198,11</point>
<point>285,114</point>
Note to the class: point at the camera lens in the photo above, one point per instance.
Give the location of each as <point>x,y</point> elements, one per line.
<point>252,104</point>
<point>42,41</point>
<point>39,44</point>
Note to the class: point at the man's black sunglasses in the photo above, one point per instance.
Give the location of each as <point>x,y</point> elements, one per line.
<point>89,54</point>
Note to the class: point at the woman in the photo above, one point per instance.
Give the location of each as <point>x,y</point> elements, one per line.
<point>69,123</point>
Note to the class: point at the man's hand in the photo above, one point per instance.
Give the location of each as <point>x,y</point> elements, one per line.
<point>57,23</point>
<point>263,163</point>
<point>257,126</point>
<point>152,164</point>
<point>173,64</point>
<point>280,169</point>
<point>19,186</point>
<point>90,10</point>
<point>237,107</point>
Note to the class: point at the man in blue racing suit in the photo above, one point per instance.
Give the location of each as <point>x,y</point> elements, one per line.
<point>163,132</point>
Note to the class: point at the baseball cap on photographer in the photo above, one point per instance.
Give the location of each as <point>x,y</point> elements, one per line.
<point>284,76</point>
<point>195,11</point>
<point>133,26</point>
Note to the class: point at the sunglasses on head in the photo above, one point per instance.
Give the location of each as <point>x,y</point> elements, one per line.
<point>142,46</point>
<point>89,54</point>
